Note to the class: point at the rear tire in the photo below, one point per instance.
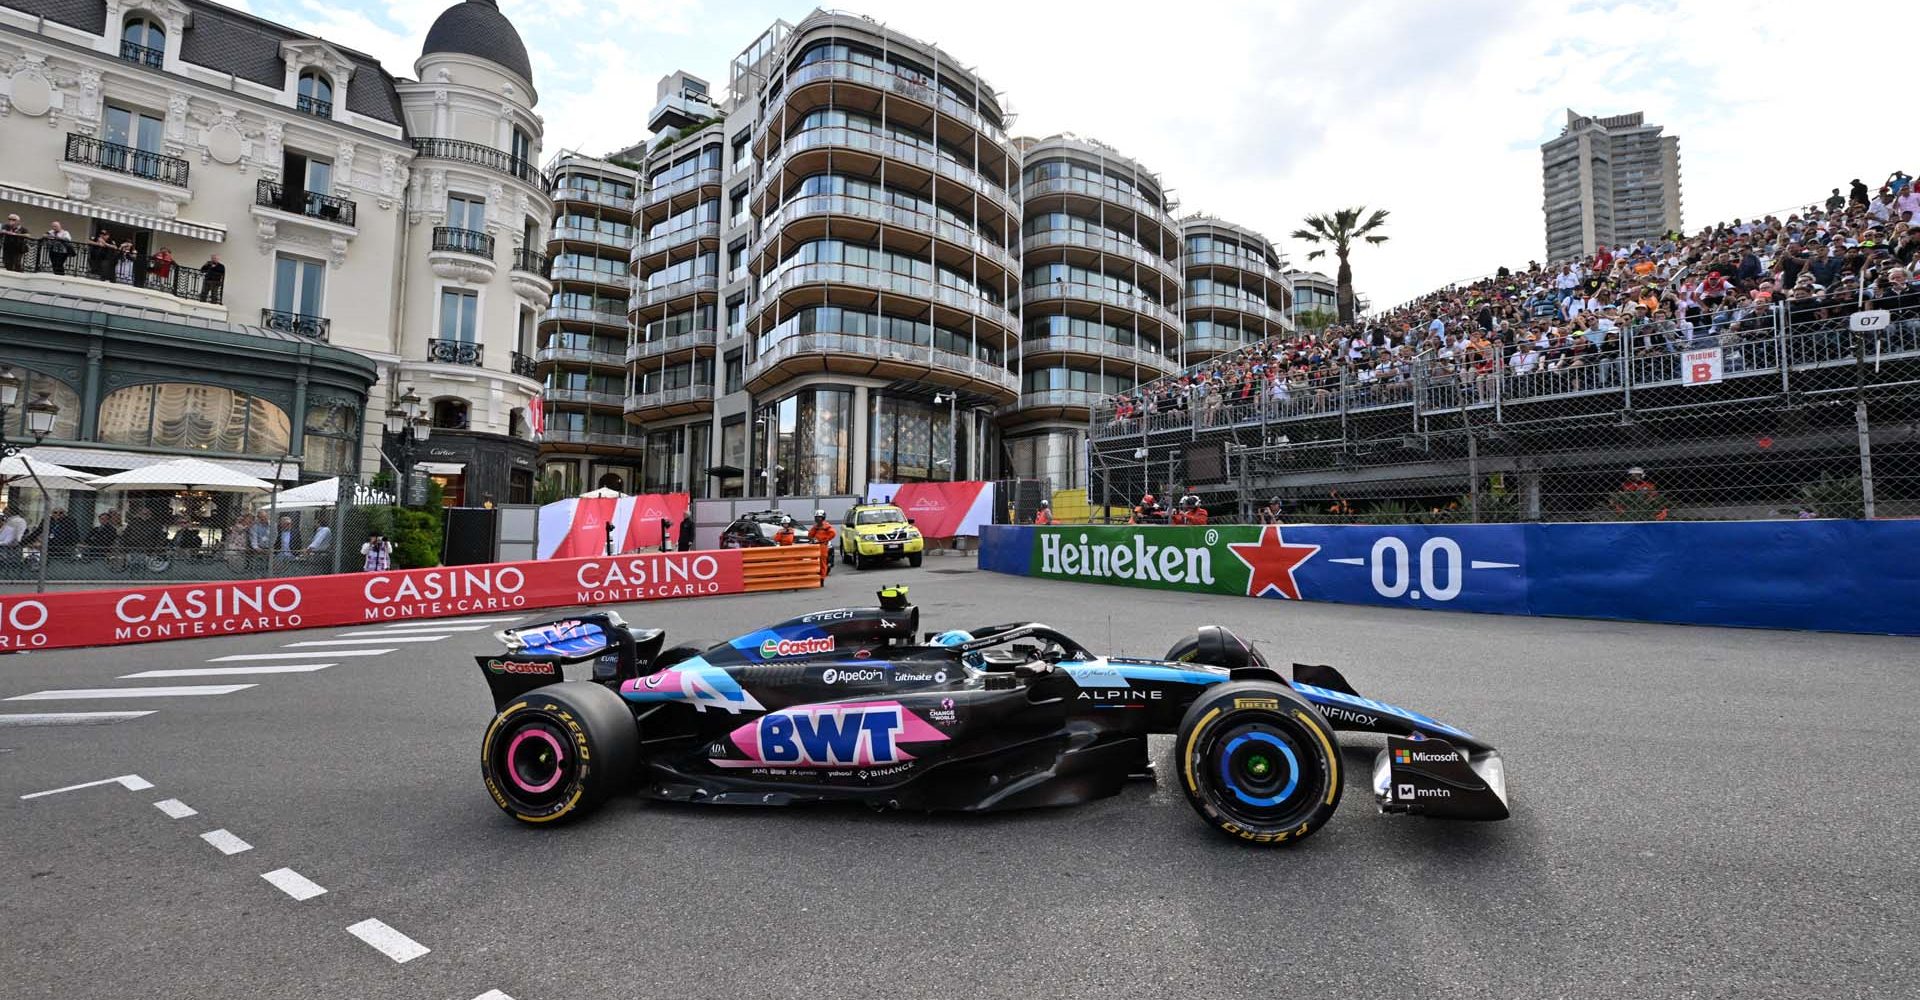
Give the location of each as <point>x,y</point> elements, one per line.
<point>559,751</point>
<point>860,562</point>
<point>1258,763</point>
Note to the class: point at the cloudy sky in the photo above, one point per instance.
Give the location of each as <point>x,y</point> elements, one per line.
<point>1264,112</point>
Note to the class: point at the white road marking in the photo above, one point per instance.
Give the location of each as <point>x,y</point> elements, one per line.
<point>130,782</point>
<point>264,668</point>
<point>293,883</point>
<point>388,941</point>
<point>430,623</point>
<point>175,809</point>
<point>189,691</point>
<point>224,842</point>
<point>493,995</point>
<point>365,642</point>
<point>309,654</point>
<point>394,630</point>
<point>66,718</point>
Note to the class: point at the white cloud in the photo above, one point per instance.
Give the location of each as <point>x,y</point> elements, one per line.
<point>1263,113</point>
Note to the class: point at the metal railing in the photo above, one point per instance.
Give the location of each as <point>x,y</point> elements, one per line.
<point>467,241</point>
<point>145,55</point>
<point>478,155</point>
<point>455,352</point>
<point>1787,413</point>
<point>521,365</point>
<point>298,324</point>
<point>1075,291</point>
<point>325,207</point>
<point>580,314</point>
<point>801,275</point>
<point>313,106</point>
<point>566,192</point>
<point>579,356</point>
<point>671,345</point>
<point>530,261</point>
<point>112,265</point>
<point>568,435</point>
<point>698,392</point>
<point>924,223</point>
<point>704,177</point>
<point>585,397</point>
<point>933,358</point>
<point>145,164</point>
<point>840,136</point>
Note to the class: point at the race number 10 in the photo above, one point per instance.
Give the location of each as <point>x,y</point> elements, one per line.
<point>1439,557</point>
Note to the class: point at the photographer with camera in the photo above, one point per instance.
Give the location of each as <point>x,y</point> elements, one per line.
<point>377,553</point>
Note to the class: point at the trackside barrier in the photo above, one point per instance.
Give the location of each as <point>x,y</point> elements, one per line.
<point>198,610</point>
<point>1828,575</point>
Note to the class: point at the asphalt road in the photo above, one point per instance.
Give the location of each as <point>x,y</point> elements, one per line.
<point>1697,812</point>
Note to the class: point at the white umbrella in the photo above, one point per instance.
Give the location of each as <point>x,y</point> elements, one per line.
<point>324,493</point>
<point>51,476</point>
<point>183,474</point>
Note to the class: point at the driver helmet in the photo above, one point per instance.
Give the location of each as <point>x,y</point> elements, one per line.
<point>1636,472</point>
<point>1147,499</point>
<point>1043,503</point>
<point>819,515</point>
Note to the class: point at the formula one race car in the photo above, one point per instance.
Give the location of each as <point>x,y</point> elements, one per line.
<point>848,705</point>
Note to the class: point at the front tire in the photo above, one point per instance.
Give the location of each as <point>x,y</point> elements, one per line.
<point>1258,763</point>
<point>559,751</point>
<point>914,559</point>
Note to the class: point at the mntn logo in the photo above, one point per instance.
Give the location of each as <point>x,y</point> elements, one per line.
<point>830,737</point>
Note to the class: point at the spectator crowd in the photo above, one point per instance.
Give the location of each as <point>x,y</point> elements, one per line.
<point>1570,325</point>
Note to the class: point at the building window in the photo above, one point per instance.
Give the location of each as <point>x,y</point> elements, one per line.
<point>315,95</point>
<point>299,286</point>
<point>459,315</point>
<point>734,370</point>
<point>450,412</point>
<point>910,441</point>
<point>466,212</point>
<point>522,145</point>
<point>733,455</point>
<point>144,41</point>
<point>812,442</point>
<point>332,439</point>
<point>699,458</point>
<point>66,424</point>
<point>194,417</point>
<point>134,130</point>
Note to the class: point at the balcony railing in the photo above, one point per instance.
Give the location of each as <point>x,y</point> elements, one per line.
<point>530,261</point>
<point>325,207</point>
<point>697,392</point>
<point>103,155</point>
<point>112,265</point>
<point>619,203</point>
<point>478,155</point>
<point>670,345</point>
<point>455,352</point>
<point>795,345</point>
<point>469,241</point>
<point>145,55</point>
<point>522,364</point>
<point>704,177</point>
<point>313,106</point>
<point>585,397</point>
<point>579,355</point>
<point>569,435</point>
<point>298,324</point>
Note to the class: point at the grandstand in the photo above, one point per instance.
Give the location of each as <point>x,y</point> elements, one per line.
<point>1721,364</point>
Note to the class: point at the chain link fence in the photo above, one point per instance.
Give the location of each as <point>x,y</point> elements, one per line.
<point>1779,416</point>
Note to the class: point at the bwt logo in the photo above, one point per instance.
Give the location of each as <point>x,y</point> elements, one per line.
<point>831,737</point>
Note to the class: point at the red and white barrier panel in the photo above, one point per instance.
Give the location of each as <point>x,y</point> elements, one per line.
<point>199,610</point>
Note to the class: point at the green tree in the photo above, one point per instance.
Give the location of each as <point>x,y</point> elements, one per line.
<point>1338,232</point>
<point>1314,320</point>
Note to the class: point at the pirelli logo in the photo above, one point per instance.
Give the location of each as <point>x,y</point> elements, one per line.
<point>1257,704</point>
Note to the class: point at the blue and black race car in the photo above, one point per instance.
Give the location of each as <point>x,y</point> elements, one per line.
<point>849,705</point>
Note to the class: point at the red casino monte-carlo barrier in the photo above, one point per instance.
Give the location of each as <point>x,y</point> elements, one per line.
<point>200,610</point>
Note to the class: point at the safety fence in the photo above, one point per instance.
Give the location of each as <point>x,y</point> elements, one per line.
<point>1790,413</point>
<point>1828,575</point>
<point>202,610</point>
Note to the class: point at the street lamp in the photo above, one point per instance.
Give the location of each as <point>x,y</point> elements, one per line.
<point>41,415</point>
<point>9,389</point>
<point>408,426</point>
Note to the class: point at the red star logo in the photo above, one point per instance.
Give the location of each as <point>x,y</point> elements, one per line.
<point>1272,561</point>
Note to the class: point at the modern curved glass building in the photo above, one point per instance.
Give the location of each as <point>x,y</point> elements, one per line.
<point>845,271</point>
<point>581,352</point>
<point>1100,254</point>
<point>1235,293</point>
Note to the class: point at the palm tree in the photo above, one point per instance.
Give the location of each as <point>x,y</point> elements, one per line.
<point>1338,231</point>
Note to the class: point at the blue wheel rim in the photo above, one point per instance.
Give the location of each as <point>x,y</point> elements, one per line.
<point>1260,801</point>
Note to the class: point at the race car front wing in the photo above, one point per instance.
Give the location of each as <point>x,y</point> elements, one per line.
<point>1431,777</point>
